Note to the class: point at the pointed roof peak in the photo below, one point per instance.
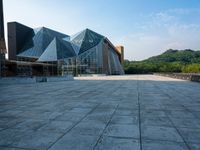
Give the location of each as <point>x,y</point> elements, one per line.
<point>91,31</point>
<point>86,40</point>
<point>53,32</point>
<point>58,49</point>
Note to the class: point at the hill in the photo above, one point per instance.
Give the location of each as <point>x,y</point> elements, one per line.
<point>186,61</point>
<point>184,56</point>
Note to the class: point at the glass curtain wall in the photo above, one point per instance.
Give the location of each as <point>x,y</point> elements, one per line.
<point>89,62</point>
<point>114,64</point>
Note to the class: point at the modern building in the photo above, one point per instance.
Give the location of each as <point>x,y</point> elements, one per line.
<point>2,41</point>
<point>120,49</point>
<point>48,52</point>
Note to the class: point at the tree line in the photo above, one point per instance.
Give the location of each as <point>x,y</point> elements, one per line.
<point>171,61</point>
<point>132,67</point>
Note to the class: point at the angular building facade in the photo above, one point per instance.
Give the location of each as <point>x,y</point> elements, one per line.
<point>2,37</point>
<point>87,52</point>
<point>2,41</point>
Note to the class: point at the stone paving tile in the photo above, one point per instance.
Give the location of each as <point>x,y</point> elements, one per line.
<point>9,136</point>
<point>155,121</point>
<point>184,114</point>
<point>190,135</point>
<point>30,124</point>
<point>129,107</point>
<point>70,117</point>
<point>194,107</point>
<point>194,146</point>
<point>111,143</point>
<point>36,140</point>
<point>7,122</point>
<point>163,145</point>
<point>75,142</point>
<point>124,120</point>
<point>196,113</point>
<point>10,148</point>
<point>97,118</point>
<point>161,133</point>
<point>80,110</point>
<point>153,113</point>
<point>174,107</point>
<point>122,130</point>
<point>57,126</point>
<point>101,113</point>
<point>88,128</point>
<point>126,112</point>
<point>186,123</point>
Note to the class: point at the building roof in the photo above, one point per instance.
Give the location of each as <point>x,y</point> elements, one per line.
<point>48,45</point>
<point>86,40</point>
<point>36,45</point>
<point>58,49</point>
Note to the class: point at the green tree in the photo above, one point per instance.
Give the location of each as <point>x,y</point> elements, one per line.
<point>191,68</point>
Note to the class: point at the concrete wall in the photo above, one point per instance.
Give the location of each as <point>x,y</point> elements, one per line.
<point>17,36</point>
<point>190,77</point>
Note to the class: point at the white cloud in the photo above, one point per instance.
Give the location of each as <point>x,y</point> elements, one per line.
<point>163,17</point>
<point>162,31</point>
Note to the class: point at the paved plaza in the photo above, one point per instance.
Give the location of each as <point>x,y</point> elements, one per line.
<point>141,112</point>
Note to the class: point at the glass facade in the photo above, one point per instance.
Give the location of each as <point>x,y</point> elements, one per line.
<point>36,44</point>
<point>84,53</point>
<point>114,64</point>
<point>89,62</point>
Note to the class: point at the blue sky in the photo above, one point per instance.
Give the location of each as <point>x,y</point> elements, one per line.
<point>145,27</point>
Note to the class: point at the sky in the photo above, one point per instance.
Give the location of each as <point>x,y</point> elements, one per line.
<point>144,27</point>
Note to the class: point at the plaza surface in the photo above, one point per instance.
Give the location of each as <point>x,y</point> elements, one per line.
<point>141,112</point>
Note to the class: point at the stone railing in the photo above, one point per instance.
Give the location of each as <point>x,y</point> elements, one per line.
<point>183,76</point>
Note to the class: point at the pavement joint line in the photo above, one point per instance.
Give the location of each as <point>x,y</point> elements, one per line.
<point>101,135</point>
<point>4,146</point>
<point>186,107</point>
<point>160,140</point>
<point>73,126</point>
<point>191,113</point>
<point>171,120</point>
<point>139,115</point>
<point>178,132</point>
<point>121,137</point>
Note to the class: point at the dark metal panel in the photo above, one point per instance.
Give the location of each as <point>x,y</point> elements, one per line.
<point>2,38</point>
<point>17,36</point>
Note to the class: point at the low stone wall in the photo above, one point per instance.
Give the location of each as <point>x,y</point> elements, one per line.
<point>17,80</point>
<point>62,78</point>
<point>183,76</point>
<point>29,80</point>
<point>92,75</point>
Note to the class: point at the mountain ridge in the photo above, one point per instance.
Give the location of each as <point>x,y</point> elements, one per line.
<point>171,55</point>
<point>170,61</point>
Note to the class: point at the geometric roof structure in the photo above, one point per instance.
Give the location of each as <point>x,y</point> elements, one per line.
<point>58,49</point>
<point>37,43</point>
<point>85,40</point>
<point>85,52</point>
<point>47,45</point>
